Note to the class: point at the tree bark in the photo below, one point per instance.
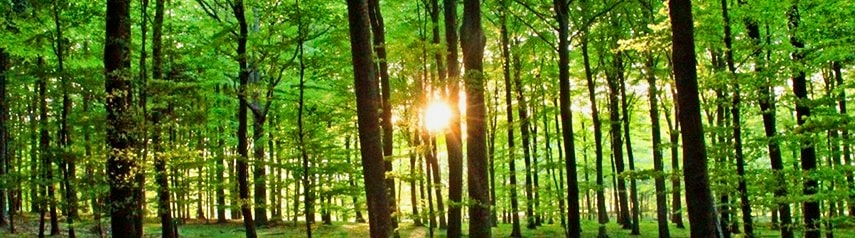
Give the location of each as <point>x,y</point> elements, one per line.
<point>472,41</point>
<point>369,128</point>
<point>803,111</point>
<point>122,166</point>
<point>561,14</point>
<point>617,142</point>
<point>382,73</point>
<point>742,189</point>
<point>168,229</point>
<point>602,216</point>
<point>5,163</point>
<point>512,171</point>
<point>243,143</point>
<point>633,187</point>
<point>701,208</point>
<point>453,138</point>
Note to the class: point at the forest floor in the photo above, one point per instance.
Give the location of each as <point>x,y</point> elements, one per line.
<point>201,228</point>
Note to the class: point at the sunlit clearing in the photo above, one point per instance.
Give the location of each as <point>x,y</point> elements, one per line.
<point>437,114</point>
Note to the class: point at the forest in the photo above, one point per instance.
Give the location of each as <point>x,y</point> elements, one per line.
<point>426,118</point>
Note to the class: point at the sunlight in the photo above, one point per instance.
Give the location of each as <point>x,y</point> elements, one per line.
<point>436,115</point>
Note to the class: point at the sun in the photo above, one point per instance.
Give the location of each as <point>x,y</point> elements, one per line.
<point>437,115</point>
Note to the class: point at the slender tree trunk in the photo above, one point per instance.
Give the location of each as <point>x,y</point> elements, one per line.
<point>382,73</point>
<point>531,221</point>
<point>259,172</point>
<point>48,202</point>
<point>617,142</point>
<point>121,164</point>
<point>847,155</point>
<point>659,179</point>
<point>803,111</point>
<point>243,143</point>
<point>633,187</point>
<point>453,138</point>
<point>369,128</point>
<point>66,160</point>
<point>472,41</point>
<point>506,69</point>
<point>700,205</point>
<point>574,228</point>
<point>5,162</point>
<point>674,136</point>
<point>161,175</point>
<point>602,216</point>
<point>745,204</point>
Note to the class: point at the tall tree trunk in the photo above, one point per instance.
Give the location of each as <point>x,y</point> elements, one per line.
<point>658,166</point>
<point>574,228</point>
<point>674,136</point>
<point>701,208</point>
<point>49,201</point>
<point>745,205</point>
<point>617,141</point>
<point>67,159</point>
<point>531,222</point>
<point>382,73</point>
<point>5,162</point>
<point>453,138</point>
<point>220,180</point>
<point>369,128</point>
<point>472,41</point>
<point>308,199</point>
<point>847,155</point>
<point>512,171</point>
<point>243,143</point>
<point>633,186</point>
<point>808,153</point>
<point>121,164</point>
<point>164,210</point>
<point>602,216</point>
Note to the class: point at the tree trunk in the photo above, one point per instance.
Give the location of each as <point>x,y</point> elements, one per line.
<point>701,208</point>
<point>369,128</point>
<point>453,138</point>
<point>382,73</point>
<point>531,222</point>
<point>512,171</point>
<point>5,163</point>
<point>574,228</point>
<point>161,175</point>
<point>472,41</point>
<point>659,179</point>
<point>243,153</point>
<point>602,216</point>
<point>808,153</point>
<point>745,204</point>
<point>847,155</point>
<point>617,142</point>
<point>633,187</point>
<point>49,201</point>
<point>121,164</point>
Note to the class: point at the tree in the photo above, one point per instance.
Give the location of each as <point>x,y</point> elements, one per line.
<point>808,153</point>
<point>512,170</point>
<point>453,139</point>
<point>164,211</point>
<point>472,41</point>
<point>735,110</point>
<point>122,165</point>
<point>243,143</point>
<point>373,167</point>
<point>702,215</point>
<point>574,228</point>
